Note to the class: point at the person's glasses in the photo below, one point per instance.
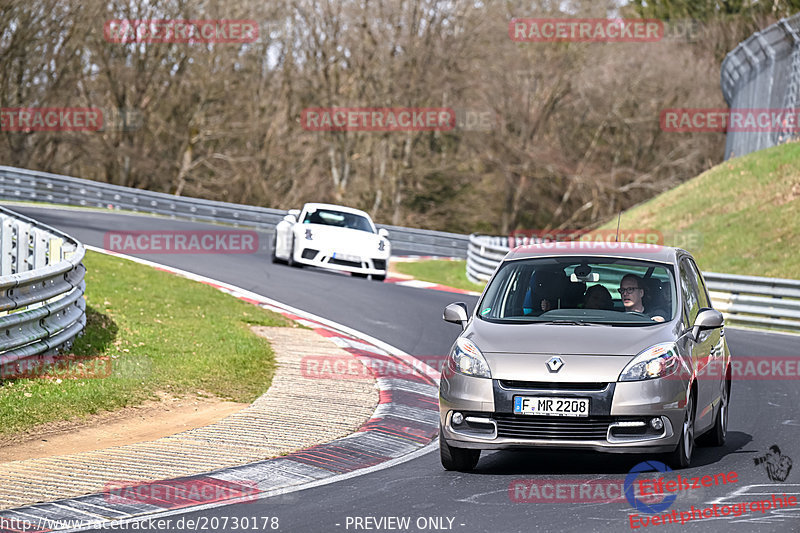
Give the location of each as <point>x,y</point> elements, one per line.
<point>627,290</point>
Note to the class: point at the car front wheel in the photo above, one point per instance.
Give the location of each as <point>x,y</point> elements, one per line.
<point>275,250</point>
<point>291,262</point>
<point>719,433</point>
<point>682,456</point>
<point>458,459</point>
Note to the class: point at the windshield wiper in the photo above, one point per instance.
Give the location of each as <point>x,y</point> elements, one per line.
<point>572,323</point>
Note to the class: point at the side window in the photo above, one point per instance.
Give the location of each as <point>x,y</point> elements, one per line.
<point>690,302</point>
<point>702,292</point>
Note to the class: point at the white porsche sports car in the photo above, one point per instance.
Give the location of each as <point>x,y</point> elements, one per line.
<point>334,237</point>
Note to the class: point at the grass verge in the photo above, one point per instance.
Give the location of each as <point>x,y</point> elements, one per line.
<point>450,273</point>
<point>740,217</point>
<point>160,332</point>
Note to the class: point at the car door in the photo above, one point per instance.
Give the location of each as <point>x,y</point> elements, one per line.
<point>689,309</point>
<point>704,351</point>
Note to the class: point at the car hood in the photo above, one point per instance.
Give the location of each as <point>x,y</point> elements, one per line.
<point>333,234</point>
<point>589,353</point>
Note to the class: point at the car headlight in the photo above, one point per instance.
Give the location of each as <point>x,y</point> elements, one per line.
<point>381,245</point>
<point>657,361</point>
<point>467,359</point>
<point>309,236</point>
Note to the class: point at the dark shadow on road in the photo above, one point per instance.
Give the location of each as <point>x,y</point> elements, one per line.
<point>537,462</point>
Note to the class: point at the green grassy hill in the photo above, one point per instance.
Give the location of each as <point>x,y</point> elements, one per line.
<point>740,217</point>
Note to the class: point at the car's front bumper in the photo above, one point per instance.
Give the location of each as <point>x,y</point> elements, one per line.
<point>375,265</point>
<point>614,422</point>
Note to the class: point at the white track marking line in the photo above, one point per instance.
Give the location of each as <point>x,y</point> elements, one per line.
<point>115,524</point>
<point>416,363</point>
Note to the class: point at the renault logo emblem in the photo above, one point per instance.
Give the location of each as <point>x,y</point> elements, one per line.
<point>554,364</point>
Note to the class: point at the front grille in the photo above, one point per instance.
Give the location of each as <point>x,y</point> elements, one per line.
<point>345,263</point>
<point>309,253</point>
<point>549,385</point>
<point>556,428</point>
<point>379,264</point>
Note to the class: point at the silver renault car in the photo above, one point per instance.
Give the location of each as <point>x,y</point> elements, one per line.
<point>584,345</point>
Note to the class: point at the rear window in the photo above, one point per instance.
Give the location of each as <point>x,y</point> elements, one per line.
<point>580,289</point>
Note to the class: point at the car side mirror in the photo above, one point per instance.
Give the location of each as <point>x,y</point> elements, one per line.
<point>383,233</point>
<point>706,319</point>
<point>457,314</point>
<point>290,218</point>
<point>294,212</point>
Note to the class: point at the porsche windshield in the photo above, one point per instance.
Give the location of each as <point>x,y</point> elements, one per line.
<point>328,217</point>
<point>580,290</point>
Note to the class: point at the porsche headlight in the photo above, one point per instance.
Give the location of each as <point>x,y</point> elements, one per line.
<point>657,361</point>
<point>467,359</point>
<point>309,236</point>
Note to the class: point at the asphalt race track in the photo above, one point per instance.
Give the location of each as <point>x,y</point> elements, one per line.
<point>763,413</point>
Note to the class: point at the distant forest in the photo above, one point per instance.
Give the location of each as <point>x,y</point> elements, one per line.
<point>547,134</point>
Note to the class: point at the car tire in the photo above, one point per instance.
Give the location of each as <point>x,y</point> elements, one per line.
<point>719,433</point>
<point>682,456</point>
<point>359,275</point>
<point>275,249</point>
<point>458,459</point>
<point>379,278</point>
<point>291,262</point>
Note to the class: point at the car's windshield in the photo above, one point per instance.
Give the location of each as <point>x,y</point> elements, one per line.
<point>580,289</point>
<point>329,217</point>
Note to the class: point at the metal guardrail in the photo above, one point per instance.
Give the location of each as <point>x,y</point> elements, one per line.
<point>747,300</point>
<point>763,72</point>
<point>42,308</point>
<point>756,301</point>
<point>29,185</point>
<point>744,299</point>
<point>484,255</point>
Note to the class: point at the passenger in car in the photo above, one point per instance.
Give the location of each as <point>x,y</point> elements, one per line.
<point>544,293</point>
<point>632,292</point>
<point>598,297</point>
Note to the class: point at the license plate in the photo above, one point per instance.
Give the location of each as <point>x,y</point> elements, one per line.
<point>345,257</point>
<point>548,406</point>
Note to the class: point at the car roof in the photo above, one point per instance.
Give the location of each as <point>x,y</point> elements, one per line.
<point>628,250</point>
<point>342,208</point>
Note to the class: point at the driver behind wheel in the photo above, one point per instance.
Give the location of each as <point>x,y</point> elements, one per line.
<point>632,292</point>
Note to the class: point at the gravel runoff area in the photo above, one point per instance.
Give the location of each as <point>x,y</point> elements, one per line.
<point>275,424</point>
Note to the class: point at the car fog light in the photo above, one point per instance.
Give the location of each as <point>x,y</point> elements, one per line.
<point>657,424</point>
<point>458,418</point>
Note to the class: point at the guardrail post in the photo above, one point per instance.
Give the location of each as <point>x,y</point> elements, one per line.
<point>22,247</point>
<point>6,246</point>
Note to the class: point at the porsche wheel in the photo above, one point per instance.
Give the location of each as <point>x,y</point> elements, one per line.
<point>291,262</point>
